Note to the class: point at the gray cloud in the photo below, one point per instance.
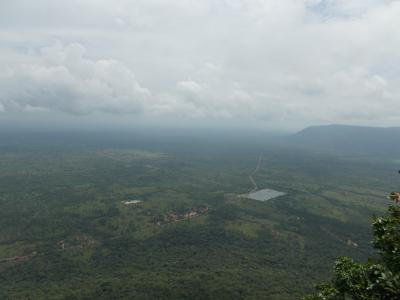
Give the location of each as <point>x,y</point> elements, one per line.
<point>286,63</point>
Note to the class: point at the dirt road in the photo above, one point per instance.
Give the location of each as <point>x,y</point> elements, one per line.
<point>251,178</point>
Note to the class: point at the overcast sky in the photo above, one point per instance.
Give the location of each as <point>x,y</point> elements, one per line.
<point>283,64</point>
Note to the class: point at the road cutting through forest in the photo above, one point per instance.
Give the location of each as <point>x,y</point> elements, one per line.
<point>253,182</point>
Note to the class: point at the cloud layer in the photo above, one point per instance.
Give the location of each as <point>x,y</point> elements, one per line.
<point>63,80</point>
<point>286,63</point>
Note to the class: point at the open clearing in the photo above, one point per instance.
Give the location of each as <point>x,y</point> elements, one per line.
<point>263,195</point>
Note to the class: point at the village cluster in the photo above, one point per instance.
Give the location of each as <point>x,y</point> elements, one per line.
<point>193,213</point>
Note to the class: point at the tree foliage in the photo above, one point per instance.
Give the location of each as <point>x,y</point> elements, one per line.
<point>376,279</point>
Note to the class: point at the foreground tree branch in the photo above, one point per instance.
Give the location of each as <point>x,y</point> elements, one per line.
<point>376,279</point>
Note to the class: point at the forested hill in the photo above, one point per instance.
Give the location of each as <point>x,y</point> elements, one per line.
<point>376,141</point>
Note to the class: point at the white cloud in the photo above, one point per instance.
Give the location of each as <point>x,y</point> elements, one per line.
<point>63,79</point>
<point>283,62</point>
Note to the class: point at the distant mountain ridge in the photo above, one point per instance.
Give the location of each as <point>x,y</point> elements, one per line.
<point>377,141</point>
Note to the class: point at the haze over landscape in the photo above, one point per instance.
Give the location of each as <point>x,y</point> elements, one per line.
<point>199,149</point>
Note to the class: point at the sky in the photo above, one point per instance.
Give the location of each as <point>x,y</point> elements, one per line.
<point>280,64</point>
